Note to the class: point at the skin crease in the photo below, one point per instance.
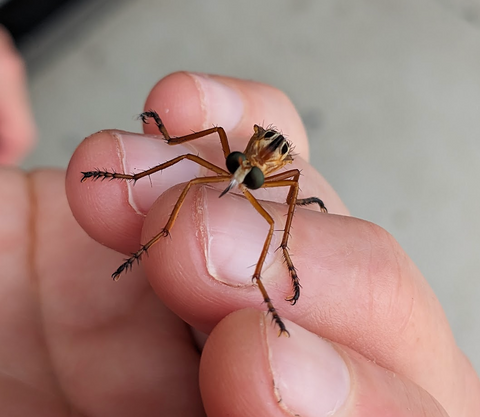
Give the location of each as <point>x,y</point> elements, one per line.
<point>74,343</point>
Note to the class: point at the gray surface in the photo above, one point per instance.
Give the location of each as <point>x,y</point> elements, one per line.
<point>389,91</point>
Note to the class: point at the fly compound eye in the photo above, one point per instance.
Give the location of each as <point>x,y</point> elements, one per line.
<point>233,161</point>
<point>254,179</point>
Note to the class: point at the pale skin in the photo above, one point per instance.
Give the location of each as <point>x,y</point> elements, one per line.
<point>17,127</point>
<point>73,342</point>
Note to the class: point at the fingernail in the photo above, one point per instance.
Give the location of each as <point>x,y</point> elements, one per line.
<point>310,377</point>
<point>141,152</point>
<point>233,234</point>
<point>221,104</point>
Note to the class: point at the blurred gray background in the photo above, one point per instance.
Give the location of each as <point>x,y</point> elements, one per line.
<point>389,92</point>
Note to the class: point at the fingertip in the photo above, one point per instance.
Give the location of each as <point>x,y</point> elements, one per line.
<point>17,125</point>
<point>246,369</point>
<point>262,373</point>
<point>177,101</point>
<point>16,140</point>
<point>193,101</point>
<point>101,206</point>
<point>234,374</point>
<point>203,270</point>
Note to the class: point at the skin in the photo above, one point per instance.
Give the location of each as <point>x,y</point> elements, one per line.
<point>72,342</point>
<point>17,127</point>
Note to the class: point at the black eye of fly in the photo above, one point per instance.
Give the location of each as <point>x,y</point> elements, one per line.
<point>269,133</point>
<point>233,161</point>
<point>254,178</point>
<point>284,148</point>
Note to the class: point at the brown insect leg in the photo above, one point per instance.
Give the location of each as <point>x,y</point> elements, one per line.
<point>291,200</point>
<point>291,178</point>
<point>258,269</point>
<point>175,141</point>
<point>95,175</point>
<point>166,230</point>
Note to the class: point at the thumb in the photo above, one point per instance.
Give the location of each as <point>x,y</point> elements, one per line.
<point>246,369</point>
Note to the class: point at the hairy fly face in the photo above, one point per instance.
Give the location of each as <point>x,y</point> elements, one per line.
<point>267,151</point>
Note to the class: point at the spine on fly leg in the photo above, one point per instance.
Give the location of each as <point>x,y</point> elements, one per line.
<point>270,307</point>
<point>99,174</point>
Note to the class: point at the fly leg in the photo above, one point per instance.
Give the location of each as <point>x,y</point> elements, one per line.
<point>258,269</point>
<point>192,136</point>
<point>135,257</point>
<point>290,179</point>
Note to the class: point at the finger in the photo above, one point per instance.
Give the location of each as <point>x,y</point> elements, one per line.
<point>112,212</point>
<point>358,287</point>
<point>27,383</point>
<point>17,128</point>
<point>202,101</point>
<point>115,349</point>
<point>246,369</point>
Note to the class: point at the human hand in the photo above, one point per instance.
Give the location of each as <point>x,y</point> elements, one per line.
<point>17,128</point>
<point>360,290</point>
<point>76,341</point>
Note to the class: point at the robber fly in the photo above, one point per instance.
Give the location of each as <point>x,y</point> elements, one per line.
<point>267,151</point>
